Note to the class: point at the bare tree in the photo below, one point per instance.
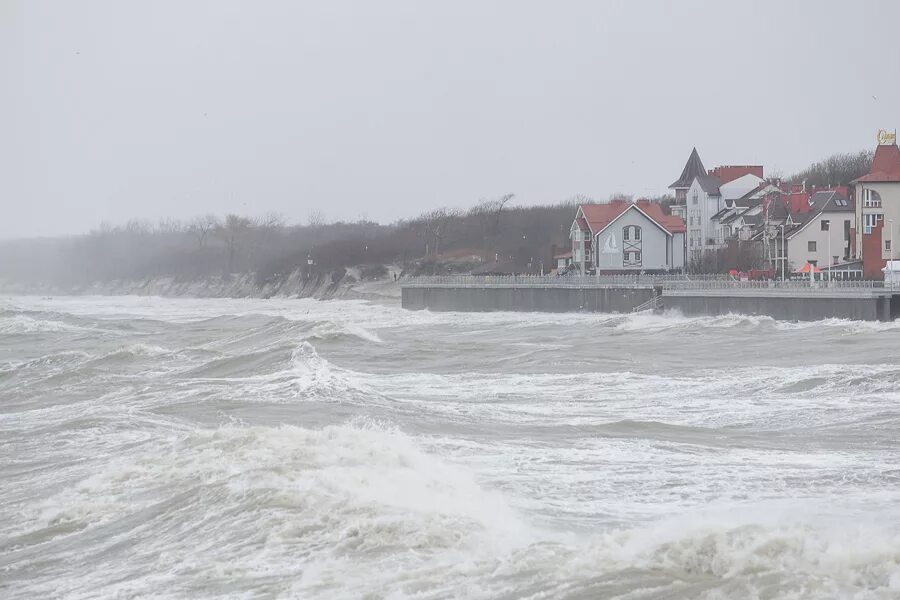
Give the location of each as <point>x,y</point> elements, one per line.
<point>838,169</point>
<point>316,218</point>
<point>168,225</point>
<point>233,232</point>
<point>201,227</point>
<point>437,225</point>
<point>272,220</point>
<point>488,213</point>
<point>620,197</point>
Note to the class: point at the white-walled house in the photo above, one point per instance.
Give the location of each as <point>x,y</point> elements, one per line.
<point>701,196</point>
<point>824,237</point>
<point>704,199</point>
<point>624,236</point>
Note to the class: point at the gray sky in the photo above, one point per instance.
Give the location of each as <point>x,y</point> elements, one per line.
<point>114,109</point>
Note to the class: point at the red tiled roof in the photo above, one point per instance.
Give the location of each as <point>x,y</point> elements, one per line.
<point>601,215</point>
<point>885,166</point>
<point>728,173</point>
<point>673,224</point>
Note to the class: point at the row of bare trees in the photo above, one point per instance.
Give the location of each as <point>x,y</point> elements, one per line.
<point>214,245</point>
<point>838,169</point>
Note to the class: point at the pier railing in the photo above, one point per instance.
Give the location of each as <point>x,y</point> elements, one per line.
<point>571,281</point>
<point>669,283</point>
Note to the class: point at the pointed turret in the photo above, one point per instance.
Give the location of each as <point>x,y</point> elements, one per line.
<point>693,168</point>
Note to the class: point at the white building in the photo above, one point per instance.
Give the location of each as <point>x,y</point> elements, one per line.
<point>877,199</point>
<point>700,196</point>
<point>624,236</point>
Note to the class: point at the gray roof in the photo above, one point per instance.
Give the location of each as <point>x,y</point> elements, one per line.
<point>830,201</point>
<point>737,214</point>
<point>709,184</point>
<point>693,168</point>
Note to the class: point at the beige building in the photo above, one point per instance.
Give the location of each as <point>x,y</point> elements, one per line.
<point>824,237</point>
<point>877,199</point>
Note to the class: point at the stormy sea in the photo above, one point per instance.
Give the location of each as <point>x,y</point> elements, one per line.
<point>186,448</point>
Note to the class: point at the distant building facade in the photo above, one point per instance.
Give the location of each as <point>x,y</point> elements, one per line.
<point>877,203</point>
<point>700,195</point>
<point>823,238</point>
<point>626,237</point>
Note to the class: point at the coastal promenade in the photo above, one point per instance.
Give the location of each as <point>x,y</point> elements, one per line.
<point>692,295</point>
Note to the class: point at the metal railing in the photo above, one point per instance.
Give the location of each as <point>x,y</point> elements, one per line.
<point>800,288</point>
<point>669,283</point>
<point>567,281</point>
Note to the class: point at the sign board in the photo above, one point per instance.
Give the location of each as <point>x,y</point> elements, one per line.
<point>887,138</point>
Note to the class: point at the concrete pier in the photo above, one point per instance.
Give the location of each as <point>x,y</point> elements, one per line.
<point>788,307</point>
<point>792,301</point>
<point>526,299</point>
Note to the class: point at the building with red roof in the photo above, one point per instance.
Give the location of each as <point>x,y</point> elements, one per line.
<point>624,236</point>
<point>877,197</point>
<point>702,196</point>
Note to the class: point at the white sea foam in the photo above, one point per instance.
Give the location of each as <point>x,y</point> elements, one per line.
<point>306,449</point>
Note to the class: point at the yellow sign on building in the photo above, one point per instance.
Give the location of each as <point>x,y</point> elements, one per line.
<point>887,138</point>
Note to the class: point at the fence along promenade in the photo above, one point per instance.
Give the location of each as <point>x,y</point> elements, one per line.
<point>672,284</point>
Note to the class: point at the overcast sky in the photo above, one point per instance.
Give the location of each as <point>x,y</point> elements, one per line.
<point>113,109</point>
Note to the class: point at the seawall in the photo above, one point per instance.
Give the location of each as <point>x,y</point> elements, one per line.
<point>792,305</point>
<point>526,299</point>
<point>813,307</point>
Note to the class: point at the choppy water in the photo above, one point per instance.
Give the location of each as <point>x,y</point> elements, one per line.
<point>297,449</point>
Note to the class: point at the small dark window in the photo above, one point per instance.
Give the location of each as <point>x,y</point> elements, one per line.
<point>637,234</point>
<point>625,233</point>
<point>810,246</point>
<point>826,224</point>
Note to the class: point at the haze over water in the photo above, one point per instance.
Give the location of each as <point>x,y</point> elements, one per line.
<point>175,448</point>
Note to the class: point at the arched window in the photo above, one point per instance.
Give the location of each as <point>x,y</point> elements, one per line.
<point>631,246</point>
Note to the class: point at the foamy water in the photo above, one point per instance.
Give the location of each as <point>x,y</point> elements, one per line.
<point>299,449</point>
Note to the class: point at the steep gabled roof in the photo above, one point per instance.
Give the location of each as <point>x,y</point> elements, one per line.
<point>693,168</point>
<point>885,166</point>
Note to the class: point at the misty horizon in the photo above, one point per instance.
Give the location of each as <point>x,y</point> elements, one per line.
<point>121,112</point>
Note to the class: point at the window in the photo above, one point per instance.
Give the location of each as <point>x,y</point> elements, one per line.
<point>887,245</point>
<point>826,225</point>
<point>871,198</point>
<point>810,246</point>
<point>694,199</point>
<point>631,246</point>
<point>847,230</point>
<point>834,260</point>
<point>871,221</point>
